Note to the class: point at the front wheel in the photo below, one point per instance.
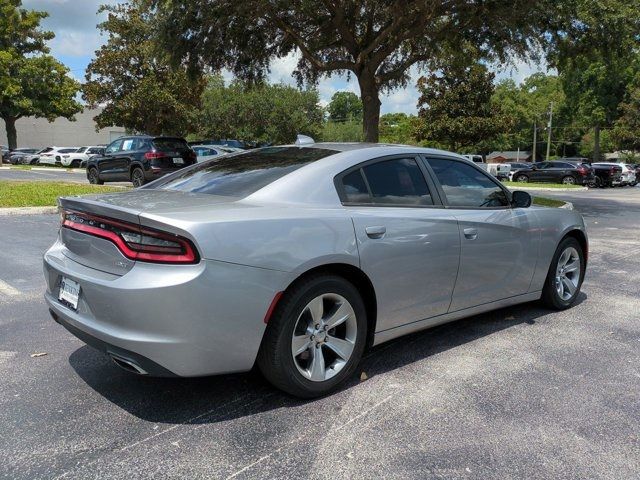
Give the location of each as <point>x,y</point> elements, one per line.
<point>565,276</point>
<point>315,338</point>
<point>522,179</point>
<point>94,177</point>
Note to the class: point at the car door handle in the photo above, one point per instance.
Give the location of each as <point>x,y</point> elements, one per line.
<point>377,231</point>
<point>470,233</point>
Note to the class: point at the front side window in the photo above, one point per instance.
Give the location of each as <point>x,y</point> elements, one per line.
<point>113,146</point>
<point>396,182</point>
<point>466,186</point>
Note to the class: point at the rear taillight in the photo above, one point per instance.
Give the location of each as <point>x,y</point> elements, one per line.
<point>135,242</point>
<point>193,156</point>
<point>154,155</point>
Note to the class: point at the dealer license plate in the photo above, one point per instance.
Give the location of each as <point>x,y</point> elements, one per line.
<point>69,292</point>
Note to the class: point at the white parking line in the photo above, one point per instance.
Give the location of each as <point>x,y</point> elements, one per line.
<point>7,289</point>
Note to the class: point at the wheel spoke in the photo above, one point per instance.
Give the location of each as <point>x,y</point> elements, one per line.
<point>340,316</point>
<point>299,344</point>
<point>317,368</point>
<point>560,287</point>
<point>563,258</point>
<point>569,286</point>
<point>572,266</point>
<point>342,348</point>
<point>316,309</point>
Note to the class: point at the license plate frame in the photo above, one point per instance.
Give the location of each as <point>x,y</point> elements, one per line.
<point>178,161</point>
<point>69,293</point>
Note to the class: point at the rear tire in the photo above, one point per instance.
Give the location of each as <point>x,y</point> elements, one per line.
<point>94,177</point>
<point>302,322</point>
<point>568,180</point>
<point>565,277</point>
<point>137,177</point>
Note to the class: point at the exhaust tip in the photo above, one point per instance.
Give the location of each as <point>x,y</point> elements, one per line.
<point>128,365</point>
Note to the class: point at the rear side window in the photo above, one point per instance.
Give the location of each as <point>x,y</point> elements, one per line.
<point>170,144</point>
<point>466,186</point>
<point>243,174</point>
<point>396,182</point>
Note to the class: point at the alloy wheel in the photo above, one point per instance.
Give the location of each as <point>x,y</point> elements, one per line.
<point>137,178</point>
<point>568,273</point>
<point>522,179</point>
<point>569,181</point>
<point>324,337</point>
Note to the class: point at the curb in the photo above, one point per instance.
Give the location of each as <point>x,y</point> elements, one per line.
<point>567,206</point>
<point>545,189</point>
<point>5,212</point>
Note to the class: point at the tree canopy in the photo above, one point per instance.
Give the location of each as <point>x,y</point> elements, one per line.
<point>32,83</point>
<point>376,41</point>
<point>345,106</point>
<point>260,113</point>
<point>595,60</point>
<point>135,81</point>
<point>455,107</point>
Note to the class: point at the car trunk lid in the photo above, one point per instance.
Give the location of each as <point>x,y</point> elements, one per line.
<point>130,207</point>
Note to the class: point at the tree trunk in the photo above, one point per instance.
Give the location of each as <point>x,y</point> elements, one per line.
<point>369,94</point>
<point>596,143</point>
<point>12,135</point>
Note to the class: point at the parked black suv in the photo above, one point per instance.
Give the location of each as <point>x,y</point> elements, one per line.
<point>557,172</point>
<point>139,159</point>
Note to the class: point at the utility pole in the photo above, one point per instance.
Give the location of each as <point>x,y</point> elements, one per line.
<point>549,127</point>
<point>535,141</point>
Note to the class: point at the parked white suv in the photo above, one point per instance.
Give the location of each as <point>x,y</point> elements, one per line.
<point>498,170</point>
<point>53,155</point>
<point>82,154</point>
<point>628,176</point>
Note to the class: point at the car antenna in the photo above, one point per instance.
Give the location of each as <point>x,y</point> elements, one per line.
<point>304,140</point>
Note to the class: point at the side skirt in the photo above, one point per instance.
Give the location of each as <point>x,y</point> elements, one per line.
<point>386,335</point>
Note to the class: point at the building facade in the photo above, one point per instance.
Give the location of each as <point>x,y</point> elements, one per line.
<point>39,133</point>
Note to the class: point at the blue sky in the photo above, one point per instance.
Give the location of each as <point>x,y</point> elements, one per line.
<point>74,23</point>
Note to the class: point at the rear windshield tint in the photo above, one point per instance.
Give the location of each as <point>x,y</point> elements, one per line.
<point>170,144</point>
<point>242,174</point>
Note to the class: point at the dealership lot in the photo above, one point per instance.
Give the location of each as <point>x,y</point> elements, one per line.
<point>520,392</point>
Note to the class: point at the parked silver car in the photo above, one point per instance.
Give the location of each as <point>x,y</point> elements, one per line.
<point>297,258</point>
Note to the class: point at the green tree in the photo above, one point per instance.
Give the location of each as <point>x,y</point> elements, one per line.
<point>376,41</point>
<point>455,108</point>
<point>258,112</point>
<point>32,83</point>
<point>345,106</point>
<point>595,60</point>
<point>626,131</point>
<point>528,105</point>
<point>136,83</point>
<point>397,128</point>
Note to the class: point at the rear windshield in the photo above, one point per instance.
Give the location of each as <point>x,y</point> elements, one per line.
<point>170,144</point>
<point>242,174</point>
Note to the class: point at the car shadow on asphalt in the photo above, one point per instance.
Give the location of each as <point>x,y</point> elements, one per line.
<point>225,397</point>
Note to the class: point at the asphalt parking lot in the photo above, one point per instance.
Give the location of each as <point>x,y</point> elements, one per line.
<point>522,392</point>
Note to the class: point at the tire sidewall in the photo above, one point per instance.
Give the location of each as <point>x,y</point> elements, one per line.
<point>551,295</point>
<point>286,321</point>
<point>133,175</point>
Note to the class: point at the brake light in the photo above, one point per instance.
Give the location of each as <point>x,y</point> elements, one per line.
<point>193,156</point>
<point>134,241</point>
<point>154,155</point>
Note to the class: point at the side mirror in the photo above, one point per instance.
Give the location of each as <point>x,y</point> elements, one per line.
<point>520,199</point>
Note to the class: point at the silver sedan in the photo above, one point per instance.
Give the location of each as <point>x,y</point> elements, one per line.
<point>298,258</point>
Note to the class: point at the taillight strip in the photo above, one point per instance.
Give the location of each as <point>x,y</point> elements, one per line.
<point>163,254</point>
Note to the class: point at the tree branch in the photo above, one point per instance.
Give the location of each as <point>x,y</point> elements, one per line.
<point>338,20</point>
<point>307,53</point>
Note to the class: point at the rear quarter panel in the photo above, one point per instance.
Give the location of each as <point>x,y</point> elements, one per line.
<point>288,239</point>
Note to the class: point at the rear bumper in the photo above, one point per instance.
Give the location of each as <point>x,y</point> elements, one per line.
<point>190,320</point>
